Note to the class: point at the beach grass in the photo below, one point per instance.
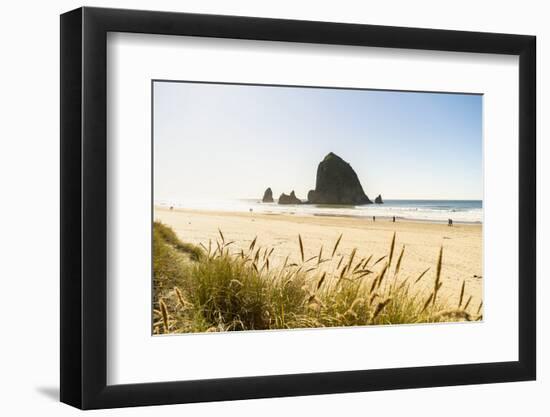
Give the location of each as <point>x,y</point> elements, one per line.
<point>219,287</point>
<point>168,236</point>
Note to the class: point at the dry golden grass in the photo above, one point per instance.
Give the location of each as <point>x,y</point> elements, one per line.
<point>217,288</point>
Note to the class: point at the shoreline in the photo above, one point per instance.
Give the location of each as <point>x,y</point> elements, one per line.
<point>313,214</point>
<point>402,219</point>
<point>309,215</point>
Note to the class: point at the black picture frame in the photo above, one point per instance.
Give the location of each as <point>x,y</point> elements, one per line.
<point>84,207</point>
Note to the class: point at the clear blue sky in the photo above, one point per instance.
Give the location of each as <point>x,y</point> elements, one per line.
<point>234,141</point>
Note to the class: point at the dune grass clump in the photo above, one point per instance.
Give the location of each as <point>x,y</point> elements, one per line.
<point>216,287</point>
<point>170,260</point>
<point>167,235</point>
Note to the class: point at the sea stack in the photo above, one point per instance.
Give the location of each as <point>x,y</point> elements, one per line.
<point>337,183</point>
<point>268,196</point>
<point>378,200</point>
<point>289,199</point>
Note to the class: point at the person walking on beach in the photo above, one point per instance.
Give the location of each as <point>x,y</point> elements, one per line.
<point>393,219</point>
<point>373,218</point>
<point>450,222</point>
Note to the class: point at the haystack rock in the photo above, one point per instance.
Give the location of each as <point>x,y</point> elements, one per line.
<point>378,200</point>
<point>268,196</point>
<point>289,199</point>
<point>337,183</point>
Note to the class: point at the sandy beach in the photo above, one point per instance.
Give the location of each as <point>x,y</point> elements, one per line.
<point>462,243</point>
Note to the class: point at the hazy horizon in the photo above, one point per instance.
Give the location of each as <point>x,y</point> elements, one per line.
<point>219,141</point>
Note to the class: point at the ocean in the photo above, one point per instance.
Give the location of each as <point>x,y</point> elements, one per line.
<point>460,211</point>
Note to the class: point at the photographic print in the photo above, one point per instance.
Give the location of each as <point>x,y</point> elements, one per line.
<point>288,207</point>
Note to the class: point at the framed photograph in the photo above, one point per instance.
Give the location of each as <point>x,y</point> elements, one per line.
<point>257,208</point>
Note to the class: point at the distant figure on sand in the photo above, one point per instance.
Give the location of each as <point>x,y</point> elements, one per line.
<point>450,222</point>
<point>393,219</point>
<point>373,218</point>
<point>171,207</point>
